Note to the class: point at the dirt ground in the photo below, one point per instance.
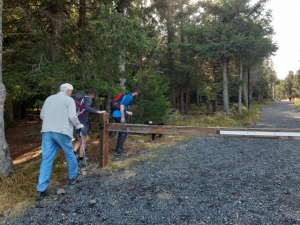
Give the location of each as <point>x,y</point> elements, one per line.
<point>24,141</point>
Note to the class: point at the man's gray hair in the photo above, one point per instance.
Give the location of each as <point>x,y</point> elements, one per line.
<point>66,87</point>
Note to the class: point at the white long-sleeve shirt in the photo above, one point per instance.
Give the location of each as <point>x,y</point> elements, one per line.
<point>59,114</point>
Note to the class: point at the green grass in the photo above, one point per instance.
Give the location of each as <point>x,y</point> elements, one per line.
<point>297,104</point>
<point>220,119</point>
<point>20,186</point>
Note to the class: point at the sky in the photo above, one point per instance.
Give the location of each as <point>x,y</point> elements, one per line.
<point>286,25</point>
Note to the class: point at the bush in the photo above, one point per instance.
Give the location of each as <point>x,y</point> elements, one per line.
<point>152,103</point>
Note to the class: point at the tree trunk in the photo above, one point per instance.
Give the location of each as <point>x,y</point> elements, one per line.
<point>245,92</point>
<point>107,103</point>
<point>181,100</point>
<point>249,91</point>
<point>198,98</point>
<point>207,105</point>
<point>81,45</point>
<point>225,87</point>
<point>172,97</point>
<point>6,164</point>
<point>170,58</point>
<point>56,19</point>
<point>240,86</point>
<point>273,90</point>
<point>215,104</point>
<point>187,99</point>
<point>8,113</point>
<point>122,57</point>
<point>122,64</point>
<point>82,13</point>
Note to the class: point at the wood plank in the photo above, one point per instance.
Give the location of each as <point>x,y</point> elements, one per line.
<point>262,137</point>
<point>262,133</point>
<point>162,129</point>
<point>261,129</point>
<point>201,131</point>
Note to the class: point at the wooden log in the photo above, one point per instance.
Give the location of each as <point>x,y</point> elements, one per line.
<point>162,129</point>
<point>279,133</point>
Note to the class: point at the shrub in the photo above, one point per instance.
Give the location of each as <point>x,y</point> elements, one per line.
<point>152,103</point>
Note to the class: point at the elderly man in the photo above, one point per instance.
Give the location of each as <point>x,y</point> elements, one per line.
<point>59,117</point>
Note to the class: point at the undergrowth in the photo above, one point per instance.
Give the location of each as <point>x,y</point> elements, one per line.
<point>297,104</point>
<point>220,119</point>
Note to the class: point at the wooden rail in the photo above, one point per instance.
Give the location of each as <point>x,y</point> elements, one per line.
<point>105,127</point>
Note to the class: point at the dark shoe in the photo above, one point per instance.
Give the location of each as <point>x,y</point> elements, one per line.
<point>41,195</point>
<point>123,150</point>
<point>75,180</point>
<point>118,153</point>
<point>82,162</point>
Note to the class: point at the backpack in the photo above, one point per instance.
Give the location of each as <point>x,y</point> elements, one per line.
<point>79,102</point>
<point>115,102</point>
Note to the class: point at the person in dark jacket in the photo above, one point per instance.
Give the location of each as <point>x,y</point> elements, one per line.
<point>87,102</point>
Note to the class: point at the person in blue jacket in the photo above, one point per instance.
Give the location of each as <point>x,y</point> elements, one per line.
<point>90,95</point>
<point>119,116</point>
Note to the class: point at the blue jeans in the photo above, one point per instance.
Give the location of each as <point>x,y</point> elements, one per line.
<point>121,135</point>
<point>51,141</point>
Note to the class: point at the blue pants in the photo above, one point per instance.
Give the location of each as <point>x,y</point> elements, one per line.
<point>51,141</point>
<point>121,135</point>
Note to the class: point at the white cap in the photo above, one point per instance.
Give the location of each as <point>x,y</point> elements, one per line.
<point>66,87</point>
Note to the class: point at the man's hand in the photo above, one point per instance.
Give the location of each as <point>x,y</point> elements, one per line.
<point>123,120</point>
<point>81,127</point>
<point>100,112</point>
<point>129,113</point>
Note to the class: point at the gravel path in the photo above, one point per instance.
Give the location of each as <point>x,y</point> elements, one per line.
<point>279,115</point>
<point>204,181</point>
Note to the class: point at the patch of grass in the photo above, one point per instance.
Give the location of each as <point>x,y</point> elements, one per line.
<point>123,163</point>
<point>155,147</point>
<point>297,104</point>
<point>220,119</point>
<point>18,191</point>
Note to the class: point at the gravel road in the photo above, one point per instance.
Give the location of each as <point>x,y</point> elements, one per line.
<point>204,181</point>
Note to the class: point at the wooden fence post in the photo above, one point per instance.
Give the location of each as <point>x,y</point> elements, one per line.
<point>103,140</point>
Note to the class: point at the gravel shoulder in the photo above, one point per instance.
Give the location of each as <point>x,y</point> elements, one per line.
<point>204,181</point>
